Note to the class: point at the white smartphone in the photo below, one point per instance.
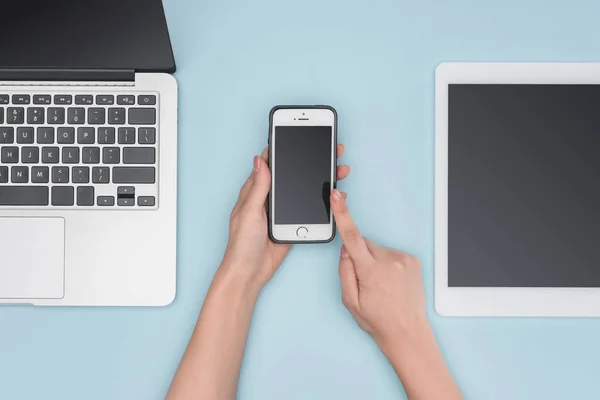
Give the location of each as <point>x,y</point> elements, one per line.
<point>303,162</point>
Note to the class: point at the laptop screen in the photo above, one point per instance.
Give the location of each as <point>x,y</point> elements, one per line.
<point>93,34</point>
<point>524,185</point>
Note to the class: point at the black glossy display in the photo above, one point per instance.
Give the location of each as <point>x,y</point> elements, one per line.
<point>524,186</point>
<point>90,34</point>
<point>302,174</point>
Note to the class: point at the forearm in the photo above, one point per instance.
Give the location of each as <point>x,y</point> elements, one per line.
<point>211,364</point>
<point>421,367</point>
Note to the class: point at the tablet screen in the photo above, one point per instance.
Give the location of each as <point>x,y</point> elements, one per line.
<point>523,185</point>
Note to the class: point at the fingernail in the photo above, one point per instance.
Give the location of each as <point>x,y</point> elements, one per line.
<point>336,194</point>
<point>344,253</point>
<point>256,163</point>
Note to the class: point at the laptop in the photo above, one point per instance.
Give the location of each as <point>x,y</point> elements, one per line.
<point>88,154</point>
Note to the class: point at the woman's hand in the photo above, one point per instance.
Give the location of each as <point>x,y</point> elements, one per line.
<point>383,290</point>
<point>250,252</point>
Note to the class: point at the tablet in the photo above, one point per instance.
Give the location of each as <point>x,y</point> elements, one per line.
<point>517,189</point>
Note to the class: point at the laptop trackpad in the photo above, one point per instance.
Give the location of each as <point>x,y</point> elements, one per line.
<point>32,258</point>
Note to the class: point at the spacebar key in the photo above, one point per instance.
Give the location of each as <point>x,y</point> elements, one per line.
<point>133,175</point>
<point>23,195</point>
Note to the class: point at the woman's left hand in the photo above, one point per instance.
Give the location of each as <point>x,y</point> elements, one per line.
<point>250,252</point>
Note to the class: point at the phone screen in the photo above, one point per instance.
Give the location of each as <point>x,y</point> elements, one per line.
<point>302,174</point>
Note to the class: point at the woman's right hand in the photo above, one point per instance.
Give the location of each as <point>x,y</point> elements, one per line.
<point>383,289</point>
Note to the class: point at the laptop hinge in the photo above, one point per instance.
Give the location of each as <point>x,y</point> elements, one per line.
<point>70,75</point>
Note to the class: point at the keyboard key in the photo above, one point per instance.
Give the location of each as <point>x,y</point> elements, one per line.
<point>116,116</point>
<point>35,115</point>
<point>70,155</point>
<point>60,174</point>
<point>3,174</point>
<point>84,99</point>
<point>127,99</point>
<point>30,155</point>
<point>106,135</point>
<point>85,196</point>
<point>133,174</point>
<point>63,99</point>
<point>9,155</point>
<point>19,174</point>
<point>65,135</point>
<point>40,175</point>
<point>105,99</point>
<point>90,155</point>
<point>126,135</point>
<point>106,201</point>
<point>3,99</point>
<point>111,155</point>
<point>76,115</point>
<point>126,191</point>
<point>7,134</point>
<point>25,134</point>
<point>80,175</point>
<point>146,201</point>
<point>146,100</point>
<point>15,115</point>
<point>142,116</point>
<point>63,195</point>
<point>50,155</point>
<point>127,202</point>
<point>45,135</point>
<point>21,98</point>
<point>146,135</point>
<point>1,115</point>
<point>56,115</point>
<point>96,116</point>
<point>86,135</point>
<point>42,99</point>
<point>138,155</point>
<point>100,175</point>
<point>23,195</point>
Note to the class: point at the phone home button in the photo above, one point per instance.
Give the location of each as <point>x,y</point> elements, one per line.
<point>302,232</point>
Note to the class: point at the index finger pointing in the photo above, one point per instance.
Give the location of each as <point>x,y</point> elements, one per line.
<point>353,241</point>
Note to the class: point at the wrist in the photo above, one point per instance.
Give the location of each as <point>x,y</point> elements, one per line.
<point>401,347</point>
<point>234,278</point>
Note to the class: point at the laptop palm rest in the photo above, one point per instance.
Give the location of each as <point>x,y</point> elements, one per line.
<point>32,258</point>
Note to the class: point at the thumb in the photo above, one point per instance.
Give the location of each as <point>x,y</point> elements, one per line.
<point>261,184</point>
<point>348,281</point>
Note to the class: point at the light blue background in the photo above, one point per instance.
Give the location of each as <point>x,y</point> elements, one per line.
<point>374,61</point>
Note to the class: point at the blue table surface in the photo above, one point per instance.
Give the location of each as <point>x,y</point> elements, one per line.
<point>374,61</point>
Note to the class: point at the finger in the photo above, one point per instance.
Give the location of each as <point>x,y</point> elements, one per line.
<point>340,150</point>
<point>344,195</point>
<point>248,184</point>
<point>265,155</point>
<point>342,172</point>
<point>245,188</point>
<point>353,241</point>
<point>348,280</point>
<point>261,184</point>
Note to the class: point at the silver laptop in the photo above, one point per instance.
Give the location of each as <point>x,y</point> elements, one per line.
<point>88,155</point>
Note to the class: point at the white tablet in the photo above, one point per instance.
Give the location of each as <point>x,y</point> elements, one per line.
<point>517,189</point>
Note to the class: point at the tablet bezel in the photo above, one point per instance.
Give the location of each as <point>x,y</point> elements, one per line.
<point>486,301</point>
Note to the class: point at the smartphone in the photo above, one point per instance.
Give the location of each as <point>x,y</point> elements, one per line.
<point>303,162</point>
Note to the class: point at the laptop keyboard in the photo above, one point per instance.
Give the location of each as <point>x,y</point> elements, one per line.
<point>78,150</point>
